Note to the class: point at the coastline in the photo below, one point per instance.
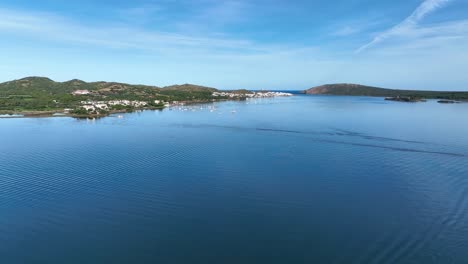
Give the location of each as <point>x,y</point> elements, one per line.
<point>44,114</point>
<point>60,113</point>
<point>217,97</point>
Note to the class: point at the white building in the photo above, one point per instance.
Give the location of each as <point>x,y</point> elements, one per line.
<point>101,106</point>
<point>80,92</point>
<point>89,107</point>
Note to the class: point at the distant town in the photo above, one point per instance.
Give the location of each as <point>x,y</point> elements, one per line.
<point>101,107</point>
<point>39,96</point>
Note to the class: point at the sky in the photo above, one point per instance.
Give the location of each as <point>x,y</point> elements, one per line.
<point>239,44</point>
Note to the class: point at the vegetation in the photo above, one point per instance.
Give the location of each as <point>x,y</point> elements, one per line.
<point>43,94</point>
<point>362,90</point>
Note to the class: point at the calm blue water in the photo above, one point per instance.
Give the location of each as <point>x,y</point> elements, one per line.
<point>307,179</point>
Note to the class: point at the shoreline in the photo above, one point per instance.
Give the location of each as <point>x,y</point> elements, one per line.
<point>5,114</point>
<point>60,113</point>
<point>46,114</point>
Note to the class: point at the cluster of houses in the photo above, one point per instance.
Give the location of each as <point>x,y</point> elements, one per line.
<point>104,105</point>
<point>251,95</point>
<point>167,104</point>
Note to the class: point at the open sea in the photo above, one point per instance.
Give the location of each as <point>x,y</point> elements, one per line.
<point>305,179</point>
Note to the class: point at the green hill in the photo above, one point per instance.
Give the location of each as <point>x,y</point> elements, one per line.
<point>362,90</point>
<point>44,94</point>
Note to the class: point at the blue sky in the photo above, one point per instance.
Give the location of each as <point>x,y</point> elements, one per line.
<point>233,44</point>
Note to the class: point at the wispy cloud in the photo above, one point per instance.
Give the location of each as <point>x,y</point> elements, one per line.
<point>57,28</point>
<point>424,9</point>
<point>442,39</point>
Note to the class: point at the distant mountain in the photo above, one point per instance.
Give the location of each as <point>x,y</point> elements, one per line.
<point>46,84</point>
<point>363,90</point>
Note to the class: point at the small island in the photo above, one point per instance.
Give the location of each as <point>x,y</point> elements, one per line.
<point>42,97</point>
<point>408,99</point>
<point>448,102</point>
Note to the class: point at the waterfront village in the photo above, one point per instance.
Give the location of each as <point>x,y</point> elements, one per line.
<point>92,106</point>
<point>105,106</point>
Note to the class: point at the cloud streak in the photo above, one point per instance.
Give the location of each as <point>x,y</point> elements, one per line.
<point>424,9</point>
<point>52,27</point>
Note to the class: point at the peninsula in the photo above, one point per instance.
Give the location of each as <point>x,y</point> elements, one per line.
<point>391,94</point>
<point>40,96</point>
